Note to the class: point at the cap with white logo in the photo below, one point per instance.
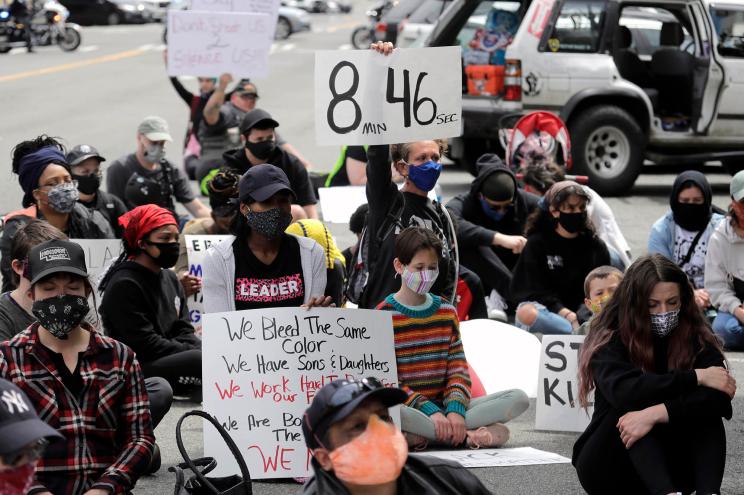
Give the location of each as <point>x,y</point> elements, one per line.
<point>19,423</point>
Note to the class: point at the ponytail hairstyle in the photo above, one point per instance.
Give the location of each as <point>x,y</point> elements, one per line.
<point>626,314</point>
<point>541,220</point>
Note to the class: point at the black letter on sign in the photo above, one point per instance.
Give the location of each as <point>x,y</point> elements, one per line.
<point>405,99</point>
<point>555,355</point>
<point>345,96</point>
<point>550,390</point>
<point>417,103</point>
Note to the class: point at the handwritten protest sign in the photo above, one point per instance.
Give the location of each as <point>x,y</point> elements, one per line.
<point>211,43</point>
<point>520,456</point>
<point>99,253</point>
<point>558,386</point>
<point>337,203</point>
<point>262,368</point>
<point>270,7</point>
<point>196,249</point>
<point>363,97</point>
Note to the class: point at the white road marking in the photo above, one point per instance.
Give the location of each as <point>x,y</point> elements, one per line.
<point>346,46</point>
<point>287,47</point>
<point>86,49</point>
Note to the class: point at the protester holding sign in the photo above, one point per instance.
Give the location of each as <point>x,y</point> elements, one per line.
<point>356,448</point>
<point>85,166</point>
<point>88,387</point>
<point>144,305</point>
<point>264,267</point>
<point>660,390</point>
<point>16,307</point>
<point>682,234</point>
<point>431,361</point>
<point>49,194</point>
<point>490,223</point>
<point>561,249</point>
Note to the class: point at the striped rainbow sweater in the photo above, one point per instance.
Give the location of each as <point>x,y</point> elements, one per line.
<point>431,361</point>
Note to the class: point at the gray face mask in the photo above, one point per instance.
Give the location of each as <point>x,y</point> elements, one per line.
<point>62,197</point>
<point>663,323</point>
<point>154,153</point>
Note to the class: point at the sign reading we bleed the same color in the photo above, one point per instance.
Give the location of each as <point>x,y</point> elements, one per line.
<point>262,368</point>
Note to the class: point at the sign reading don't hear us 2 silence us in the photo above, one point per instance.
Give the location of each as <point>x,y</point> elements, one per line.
<point>364,97</point>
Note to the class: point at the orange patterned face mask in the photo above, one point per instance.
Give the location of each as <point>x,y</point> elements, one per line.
<point>375,457</point>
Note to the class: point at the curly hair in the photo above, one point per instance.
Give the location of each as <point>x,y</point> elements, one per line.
<point>401,151</point>
<point>29,146</point>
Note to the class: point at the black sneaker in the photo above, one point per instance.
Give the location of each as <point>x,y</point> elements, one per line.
<point>155,461</point>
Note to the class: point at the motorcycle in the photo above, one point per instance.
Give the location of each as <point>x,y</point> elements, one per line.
<point>48,27</point>
<point>362,36</point>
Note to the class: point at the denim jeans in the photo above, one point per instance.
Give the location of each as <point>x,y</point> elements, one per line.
<point>547,322</point>
<point>730,329</point>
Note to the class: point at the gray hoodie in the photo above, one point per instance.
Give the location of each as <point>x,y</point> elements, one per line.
<point>219,273</point>
<point>724,261</point>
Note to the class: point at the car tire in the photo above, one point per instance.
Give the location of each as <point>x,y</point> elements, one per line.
<point>733,166</point>
<point>362,37</point>
<point>607,146</point>
<point>283,28</point>
<point>113,19</point>
<point>71,39</point>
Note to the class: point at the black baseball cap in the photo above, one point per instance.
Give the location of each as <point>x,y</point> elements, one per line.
<point>56,256</point>
<point>19,423</point>
<point>82,152</point>
<point>255,117</point>
<point>262,181</point>
<point>336,400</point>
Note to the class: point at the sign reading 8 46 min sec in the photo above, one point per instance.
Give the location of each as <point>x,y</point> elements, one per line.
<point>364,97</point>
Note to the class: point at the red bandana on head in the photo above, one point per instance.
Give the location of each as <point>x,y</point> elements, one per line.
<point>142,220</point>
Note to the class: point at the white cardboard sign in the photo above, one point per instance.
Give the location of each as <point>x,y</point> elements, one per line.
<point>558,386</point>
<point>196,249</point>
<point>262,368</point>
<point>337,202</point>
<point>208,44</point>
<point>363,97</point>
<point>270,7</point>
<point>99,254</point>
<point>519,456</point>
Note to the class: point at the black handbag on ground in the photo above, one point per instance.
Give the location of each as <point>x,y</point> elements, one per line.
<point>199,483</point>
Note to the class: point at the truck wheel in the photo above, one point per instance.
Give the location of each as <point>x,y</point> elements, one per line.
<point>608,147</point>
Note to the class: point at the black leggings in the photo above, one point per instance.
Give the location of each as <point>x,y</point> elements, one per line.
<point>494,274</point>
<point>161,397</point>
<point>687,456</point>
<point>182,370</point>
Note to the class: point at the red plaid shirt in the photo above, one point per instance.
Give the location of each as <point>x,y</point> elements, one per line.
<point>108,430</point>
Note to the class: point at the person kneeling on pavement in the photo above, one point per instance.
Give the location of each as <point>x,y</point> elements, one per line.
<point>357,450</point>
<point>432,368</point>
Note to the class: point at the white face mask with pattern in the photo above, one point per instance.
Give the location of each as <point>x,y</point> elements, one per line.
<point>662,324</point>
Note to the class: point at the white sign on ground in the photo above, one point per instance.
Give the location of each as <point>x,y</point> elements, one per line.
<point>99,254</point>
<point>363,97</point>
<point>270,7</point>
<point>481,458</point>
<point>207,44</point>
<point>558,385</point>
<point>338,203</point>
<point>262,368</point>
<point>196,249</point>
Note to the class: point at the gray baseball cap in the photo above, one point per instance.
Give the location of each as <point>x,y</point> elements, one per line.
<point>737,186</point>
<point>155,129</point>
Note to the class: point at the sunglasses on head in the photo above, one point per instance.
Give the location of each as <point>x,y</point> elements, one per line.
<point>29,453</point>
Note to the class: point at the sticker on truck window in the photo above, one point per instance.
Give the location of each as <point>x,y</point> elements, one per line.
<point>540,17</point>
<point>554,44</point>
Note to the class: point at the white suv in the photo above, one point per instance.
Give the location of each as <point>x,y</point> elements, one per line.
<point>634,79</point>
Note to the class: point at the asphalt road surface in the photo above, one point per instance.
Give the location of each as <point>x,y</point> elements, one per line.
<point>100,93</point>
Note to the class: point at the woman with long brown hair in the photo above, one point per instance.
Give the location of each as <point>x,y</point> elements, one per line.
<point>660,390</point>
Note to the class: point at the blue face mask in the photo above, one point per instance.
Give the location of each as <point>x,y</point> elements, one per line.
<point>494,215</point>
<point>425,176</point>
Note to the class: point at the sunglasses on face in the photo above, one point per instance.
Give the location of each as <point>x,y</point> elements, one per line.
<point>248,96</point>
<point>29,453</point>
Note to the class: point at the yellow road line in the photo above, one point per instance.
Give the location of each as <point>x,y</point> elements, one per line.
<point>338,27</point>
<point>73,65</point>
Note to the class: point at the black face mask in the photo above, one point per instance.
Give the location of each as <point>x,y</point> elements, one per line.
<point>270,223</point>
<point>168,253</point>
<point>59,315</point>
<point>573,223</point>
<point>690,216</point>
<point>88,184</point>
<point>261,150</point>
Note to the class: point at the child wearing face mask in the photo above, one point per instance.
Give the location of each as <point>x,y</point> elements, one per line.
<point>599,286</point>
<point>90,387</point>
<point>561,249</point>
<point>432,367</point>
<point>144,305</point>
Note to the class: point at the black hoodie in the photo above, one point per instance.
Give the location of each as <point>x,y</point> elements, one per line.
<point>147,311</point>
<point>693,218</point>
<point>477,229</point>
<point>296,173</point>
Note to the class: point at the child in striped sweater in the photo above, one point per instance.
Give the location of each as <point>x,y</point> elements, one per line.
<point>431,361</point>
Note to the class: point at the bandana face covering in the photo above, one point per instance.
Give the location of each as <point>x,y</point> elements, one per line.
<point>62,197</point>
<point>375,457</point>
<point>663,323</point>
<point>60,314</point>
<point>420,282</point>
<point>270,223</point>
<point>18,480</point>
<point>599,302</point>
